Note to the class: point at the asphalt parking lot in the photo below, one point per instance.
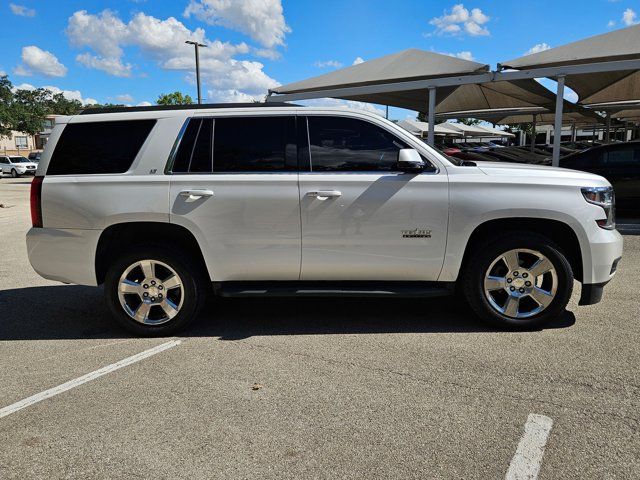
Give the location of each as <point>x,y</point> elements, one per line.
<point>347,388</point>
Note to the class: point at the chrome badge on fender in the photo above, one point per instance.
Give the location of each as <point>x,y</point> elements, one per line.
<point>416,233</point>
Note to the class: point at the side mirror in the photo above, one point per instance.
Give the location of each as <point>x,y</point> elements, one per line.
<point>410,161</point>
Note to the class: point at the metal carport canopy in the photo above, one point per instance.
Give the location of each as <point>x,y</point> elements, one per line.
<point>576,65</point>
<point>391,85</point>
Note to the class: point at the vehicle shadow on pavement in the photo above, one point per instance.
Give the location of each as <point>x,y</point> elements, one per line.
<point>76,312</point>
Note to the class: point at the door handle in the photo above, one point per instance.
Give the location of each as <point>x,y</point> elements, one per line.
<point>195,194</point>
<point>324,194</point>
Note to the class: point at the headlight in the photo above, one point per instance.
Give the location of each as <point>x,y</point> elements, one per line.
<point>603,197</point>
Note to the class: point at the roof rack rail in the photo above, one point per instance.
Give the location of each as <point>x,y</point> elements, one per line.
<point>192,106</point>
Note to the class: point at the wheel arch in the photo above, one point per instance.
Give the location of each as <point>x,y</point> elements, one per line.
<point>120,236</point>
<point>561,233</point>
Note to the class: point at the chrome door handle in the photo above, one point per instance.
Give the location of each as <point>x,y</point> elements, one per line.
<point>324,194</point>
<point>195,194</point>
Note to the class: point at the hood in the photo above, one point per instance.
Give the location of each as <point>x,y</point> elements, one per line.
<point>542,171</point>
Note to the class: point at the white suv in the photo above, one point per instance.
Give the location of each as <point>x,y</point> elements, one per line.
<point>161,204</point>
<point>16,166</point>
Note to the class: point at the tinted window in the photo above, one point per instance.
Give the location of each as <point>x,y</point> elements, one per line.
<point>201,157</point>
<point>346,144</point>
<point>98,147</point>
<point>254,144</point>
<point>620,157</point>
<point>187,142</point>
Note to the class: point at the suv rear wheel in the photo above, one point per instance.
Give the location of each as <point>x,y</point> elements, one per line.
<point>518,281</point>
<point>153,291</point>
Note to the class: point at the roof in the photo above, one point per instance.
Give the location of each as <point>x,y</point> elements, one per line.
<point>192,106</point>
<point>419,128</point>
<point>407,65</point>
<point>623,44</point>
<point>466,130</point>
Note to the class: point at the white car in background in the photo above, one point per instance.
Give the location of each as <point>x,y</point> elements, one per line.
<point>17,165</point>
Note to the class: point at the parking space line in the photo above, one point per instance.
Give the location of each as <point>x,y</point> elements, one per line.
<point>38,397</point>
<point>526,463</point>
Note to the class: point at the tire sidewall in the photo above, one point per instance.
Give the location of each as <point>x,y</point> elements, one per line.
<point>192,283</point>
<point>487,253</point>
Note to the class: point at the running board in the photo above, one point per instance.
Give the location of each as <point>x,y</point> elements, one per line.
<point>334,289</point>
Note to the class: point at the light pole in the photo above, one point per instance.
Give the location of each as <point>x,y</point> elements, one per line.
<point>196,46</point>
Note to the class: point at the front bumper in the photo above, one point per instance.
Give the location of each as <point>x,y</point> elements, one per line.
<point>64,255</point>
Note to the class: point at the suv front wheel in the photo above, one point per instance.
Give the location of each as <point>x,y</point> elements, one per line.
<point>518,281</point>
<point>153,291</point>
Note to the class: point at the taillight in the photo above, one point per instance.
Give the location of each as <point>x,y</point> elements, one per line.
<point>36,202</point>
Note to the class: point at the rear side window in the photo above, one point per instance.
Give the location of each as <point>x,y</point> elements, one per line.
<point>238,144</point>
<point>348,144</point>
<point>98,147</point>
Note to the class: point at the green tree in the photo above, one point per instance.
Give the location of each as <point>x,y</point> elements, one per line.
<point>6,111</point>
<point>468,121</point>
<point>175,98</point>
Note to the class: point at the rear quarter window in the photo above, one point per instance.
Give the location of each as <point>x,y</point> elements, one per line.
<point>98,147</point>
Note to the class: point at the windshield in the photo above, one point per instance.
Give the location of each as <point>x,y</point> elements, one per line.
<point>19,160</point>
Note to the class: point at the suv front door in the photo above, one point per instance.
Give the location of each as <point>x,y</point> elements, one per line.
<point>235,186</point>
<point>361,218</point>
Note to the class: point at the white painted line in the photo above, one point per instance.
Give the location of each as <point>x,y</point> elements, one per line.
<point>38,397</point>
<point>525,464</point>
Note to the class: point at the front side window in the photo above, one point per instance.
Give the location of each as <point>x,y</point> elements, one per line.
<point>348,144</point>
<point>98,147</point>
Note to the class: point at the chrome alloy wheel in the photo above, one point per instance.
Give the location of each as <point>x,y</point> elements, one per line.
<point>520,283</point>
<point>150,292</point>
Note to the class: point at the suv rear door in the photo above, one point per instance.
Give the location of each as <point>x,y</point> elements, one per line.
<point>361,218</point>
<point>234,185</point>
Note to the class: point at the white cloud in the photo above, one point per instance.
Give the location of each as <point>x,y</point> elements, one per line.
<point>144,104</point>
<point>570,95</point>
<point>68,94</point>
<point>465,55</point>
<point>358,61</point>
<point>163,42</point>
<point>113,66</point>
<point>262,20</point>
<point>334,102</point>
<point>537,48</point>
<point>629,17</point>
<point>460,20</point>
<point>124,98</point>
<point>22,11</point>
<point>38,61</point>
<point>328,63</point>
<point>611,23</point>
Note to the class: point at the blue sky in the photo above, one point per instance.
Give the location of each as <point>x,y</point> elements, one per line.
<point>130,51</point>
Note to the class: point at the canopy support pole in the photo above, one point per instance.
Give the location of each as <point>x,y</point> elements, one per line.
<point>607,130</point>
<point>432,116</point>
<point>557,125</point>
<point>386,112</point>
<point>533,133</point>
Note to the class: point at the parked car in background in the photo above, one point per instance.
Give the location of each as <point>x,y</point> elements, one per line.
<point>620,164</point>
<point>35,156</point>
<point>16,166</point>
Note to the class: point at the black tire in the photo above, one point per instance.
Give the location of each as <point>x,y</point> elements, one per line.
<point>194,289</point>
<point>482,258</point>
<point>14,174</point>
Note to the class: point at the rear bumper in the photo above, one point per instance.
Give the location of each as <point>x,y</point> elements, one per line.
<point>64,255</point>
